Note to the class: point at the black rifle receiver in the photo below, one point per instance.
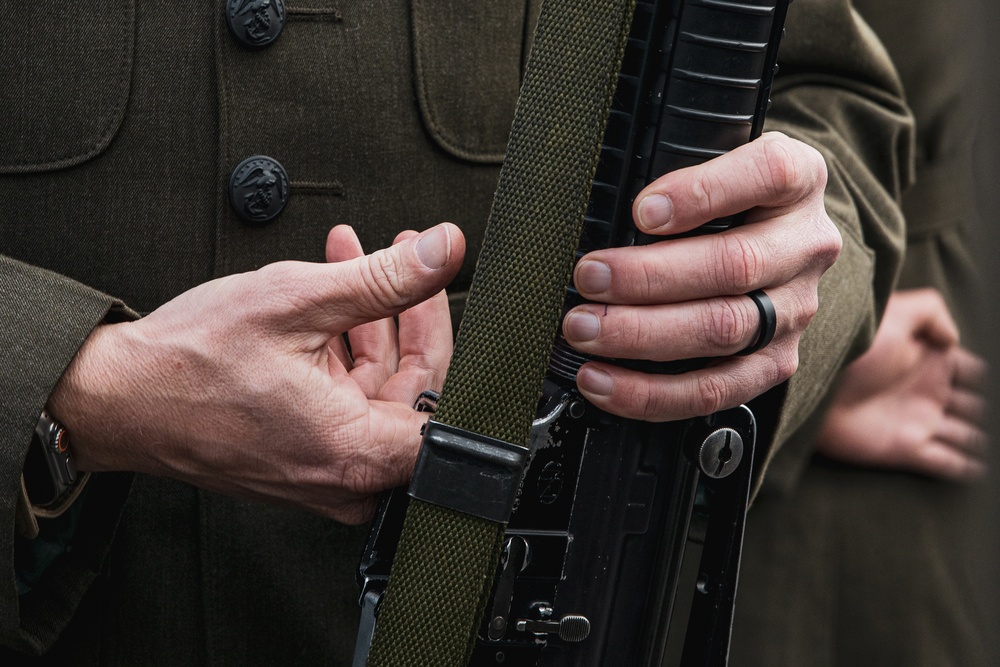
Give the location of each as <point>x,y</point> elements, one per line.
<point>619,524</point>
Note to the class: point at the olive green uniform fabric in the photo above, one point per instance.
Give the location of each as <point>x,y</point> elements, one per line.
<point>123,121</point>
<point>847,566</point>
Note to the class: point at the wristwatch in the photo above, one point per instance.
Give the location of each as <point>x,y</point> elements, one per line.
<point>47,484</point>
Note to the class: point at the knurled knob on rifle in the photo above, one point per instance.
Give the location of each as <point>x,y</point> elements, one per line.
<point>716,451</point>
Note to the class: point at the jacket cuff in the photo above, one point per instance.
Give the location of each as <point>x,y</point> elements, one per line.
<point>47,318</point>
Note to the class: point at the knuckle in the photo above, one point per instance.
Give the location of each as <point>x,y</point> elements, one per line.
<point>642,279</point>
<point>637,398</point>
<point>705,185</point>
<point>740,263</point>
<point>809,310</point>
<point>275,278</point>
<point>728,323</point>
<point>648,404</point>
<point>806,306</point>
<point>818,168</point>
<point>785,365</point>
<point>709,396</point>
<point>777,168</point>
<point>637,278</point>
<point>791,166</point>
<point>381,277</point>
<point>280,288</point>
<point>634,333</point>
<point>701,193</point>
<point>829,242</point>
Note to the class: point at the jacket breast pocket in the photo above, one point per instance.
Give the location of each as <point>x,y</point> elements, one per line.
<point>469,57</point>
<point>65,71</point>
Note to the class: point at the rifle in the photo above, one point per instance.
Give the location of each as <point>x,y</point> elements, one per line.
<point>619,523</point>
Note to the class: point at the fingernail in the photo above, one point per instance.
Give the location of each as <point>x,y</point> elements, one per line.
<point>593,277</point>
<point>434,249</point>
<point>655,211</point>
<point>581,326</point>
<point>594,381</point>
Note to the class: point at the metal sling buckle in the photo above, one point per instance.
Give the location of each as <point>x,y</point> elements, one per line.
<point>468,472</point>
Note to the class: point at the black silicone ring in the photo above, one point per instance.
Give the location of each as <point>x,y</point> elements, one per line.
<point>768,322</point>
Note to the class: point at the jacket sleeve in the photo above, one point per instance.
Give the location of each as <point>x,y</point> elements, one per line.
<point>837,90</point>
<point>46,318</point>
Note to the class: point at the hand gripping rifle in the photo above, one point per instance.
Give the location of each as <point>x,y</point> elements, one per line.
<point>615,526</point>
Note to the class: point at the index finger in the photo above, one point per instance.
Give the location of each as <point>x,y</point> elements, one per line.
<point>425,346</point>
<point>373,344</point>
<point>739,260</point>
<point>773,171</point>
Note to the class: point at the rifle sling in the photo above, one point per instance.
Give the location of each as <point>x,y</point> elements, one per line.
<point>446,559</point>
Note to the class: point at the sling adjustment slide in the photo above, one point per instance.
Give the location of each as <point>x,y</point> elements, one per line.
<point>468,472</point>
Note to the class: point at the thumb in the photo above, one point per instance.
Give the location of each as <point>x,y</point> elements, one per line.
<point>384,283</point>
<point>931,318</point>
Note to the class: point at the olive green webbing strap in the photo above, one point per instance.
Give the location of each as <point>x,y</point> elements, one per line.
<point>446,560</point>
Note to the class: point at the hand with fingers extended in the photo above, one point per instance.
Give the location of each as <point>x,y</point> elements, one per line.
<point>244,385</point>
<point>687,297</point>
<point>914,400</point>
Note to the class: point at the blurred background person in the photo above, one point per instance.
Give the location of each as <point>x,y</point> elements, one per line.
<point>859,548</point>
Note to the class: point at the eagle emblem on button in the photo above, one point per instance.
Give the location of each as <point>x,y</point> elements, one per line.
<point>258,189</point>
<point>255,23</point>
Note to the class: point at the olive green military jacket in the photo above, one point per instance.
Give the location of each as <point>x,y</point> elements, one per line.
<point>123,122</point>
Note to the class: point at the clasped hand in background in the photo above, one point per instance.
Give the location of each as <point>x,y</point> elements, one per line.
<point>914,401</point>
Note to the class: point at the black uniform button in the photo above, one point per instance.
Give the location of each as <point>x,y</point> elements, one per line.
<point>258,189</point>
<point>255,23</point>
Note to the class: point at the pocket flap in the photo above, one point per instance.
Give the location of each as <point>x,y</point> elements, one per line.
<point>65,71</point>
<point>468,58</point>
